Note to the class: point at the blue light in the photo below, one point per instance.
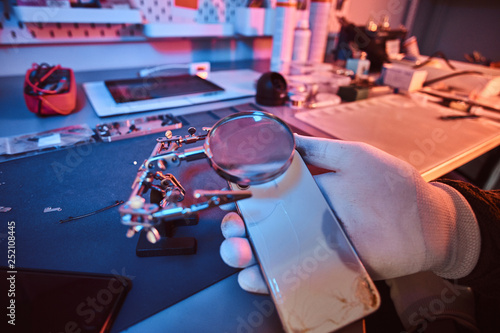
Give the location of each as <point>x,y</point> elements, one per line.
<point>257,118</point>
<point>276,287</point>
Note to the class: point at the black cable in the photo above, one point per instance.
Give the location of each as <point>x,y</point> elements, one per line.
<point>441,78</point>
<point>71,218</point>
<point>435,55</point>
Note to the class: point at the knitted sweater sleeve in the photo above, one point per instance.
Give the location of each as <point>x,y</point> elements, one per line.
<point>485,277</point>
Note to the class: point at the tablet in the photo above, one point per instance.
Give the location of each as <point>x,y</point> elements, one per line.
<point>147,88</point>
<point>130,95</point>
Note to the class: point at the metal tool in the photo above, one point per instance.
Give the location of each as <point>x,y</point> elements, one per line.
<point>246,148</point>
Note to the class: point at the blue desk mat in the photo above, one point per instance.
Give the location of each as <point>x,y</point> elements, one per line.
<point>86,178</point>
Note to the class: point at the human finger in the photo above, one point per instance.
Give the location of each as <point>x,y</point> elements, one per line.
<point>324,153</point>
<point>237,252</point>
<point>232,225</point>
<point>229,207</point>
<point>252,280</point>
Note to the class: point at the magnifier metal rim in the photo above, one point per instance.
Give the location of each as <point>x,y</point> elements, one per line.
<point>258,179</point>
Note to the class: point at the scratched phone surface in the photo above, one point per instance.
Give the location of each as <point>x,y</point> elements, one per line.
<point>317,282</point>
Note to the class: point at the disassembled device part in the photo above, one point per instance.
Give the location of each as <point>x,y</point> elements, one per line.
<point>119,130</point>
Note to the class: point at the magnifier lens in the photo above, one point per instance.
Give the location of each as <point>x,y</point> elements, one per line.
<point>250,147</point>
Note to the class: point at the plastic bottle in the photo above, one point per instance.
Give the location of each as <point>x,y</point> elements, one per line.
<point>301,41</point>
<point>284,25</point>
<point>360,66</point>
<point>318,19</point>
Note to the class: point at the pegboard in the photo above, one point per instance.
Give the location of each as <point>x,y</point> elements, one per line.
<point>14,32</point>
<point>209,11</point>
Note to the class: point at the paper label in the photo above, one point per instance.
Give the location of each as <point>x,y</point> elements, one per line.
<point>50,140</point>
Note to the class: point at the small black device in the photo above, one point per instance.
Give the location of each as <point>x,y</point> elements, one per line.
<point>271,89</point>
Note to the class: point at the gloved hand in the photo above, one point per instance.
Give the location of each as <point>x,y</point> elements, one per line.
<point>398,223</point>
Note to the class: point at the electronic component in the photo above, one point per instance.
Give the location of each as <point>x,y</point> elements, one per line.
<point>119,130</point>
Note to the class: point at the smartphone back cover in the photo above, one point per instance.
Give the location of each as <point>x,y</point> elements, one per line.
<point>317,281</point>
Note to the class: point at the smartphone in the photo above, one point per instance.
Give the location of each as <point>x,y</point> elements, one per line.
<point>56,301</point>
<point>316,280</point>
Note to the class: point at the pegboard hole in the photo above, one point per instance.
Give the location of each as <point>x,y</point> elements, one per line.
<point>70,34</point>
<point>58,25</point>
<point>51,33</point>
<point>33,34</point>
<point>13,34</point>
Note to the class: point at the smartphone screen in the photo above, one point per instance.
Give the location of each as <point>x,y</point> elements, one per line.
<point>53,301</point>
<point>147,88</point>
<point>315,278</point>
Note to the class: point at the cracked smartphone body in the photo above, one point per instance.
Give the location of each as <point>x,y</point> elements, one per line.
<point>316,280</point>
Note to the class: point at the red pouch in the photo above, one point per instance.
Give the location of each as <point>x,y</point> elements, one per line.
<point>50,90</point>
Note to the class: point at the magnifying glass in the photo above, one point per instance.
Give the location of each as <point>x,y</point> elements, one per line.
<point>246,148</point>
<point>250,148</point>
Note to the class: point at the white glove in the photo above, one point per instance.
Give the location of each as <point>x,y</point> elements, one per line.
<point>398,223</point>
